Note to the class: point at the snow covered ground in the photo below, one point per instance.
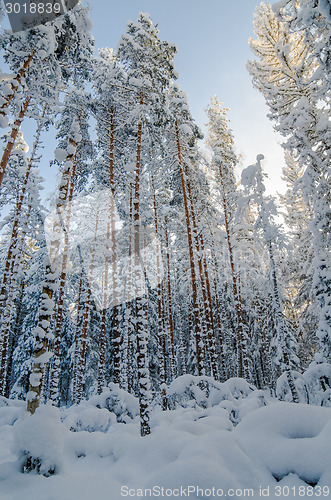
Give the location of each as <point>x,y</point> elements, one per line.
<point>229,440</point>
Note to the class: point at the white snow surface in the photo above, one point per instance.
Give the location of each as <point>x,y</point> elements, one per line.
<point>96,448</point>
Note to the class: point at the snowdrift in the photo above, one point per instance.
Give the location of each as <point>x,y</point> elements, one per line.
<point>96,451</point>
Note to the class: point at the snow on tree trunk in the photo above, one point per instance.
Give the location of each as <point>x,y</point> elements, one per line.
<point>212,340</point>
<point>161,331</point>
<point>243,369</point>
<point>79,319</point>
<point>47,305</point>
<point>110,249</point>
<point>222,370</point>
<point>15,129</point>
<point>196,312</point>
<point>70,170</point>
<point>208,315</point>
<point>9,309</point>
<point>81,349</point>
<point>14,84</point>
<point>43,335</point>
<point>169,300</point>
<point>140,303</point>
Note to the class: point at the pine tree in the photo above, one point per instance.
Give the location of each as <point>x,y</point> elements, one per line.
<point>252,177</point>
<point>285,73</point>
<point>149,64</point>
<point>298,217</point>
<point>222,144</point>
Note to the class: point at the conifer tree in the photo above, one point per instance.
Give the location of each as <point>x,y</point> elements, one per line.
<point>184,134</point>
<point>285,73</point>
<point>299,266</point>
<point>252,177</point>
<point>222,144</point>
<point>149,65</point>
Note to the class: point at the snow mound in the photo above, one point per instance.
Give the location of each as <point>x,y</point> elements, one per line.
<point>235,395</point>
<point>38,441</point>
<point>116,400</point>
<point>281,444</point>
<point>100,412</point>
<point>10,411</point>
<point>89,419</point>
<point>288,438</point>
<point>192,391</point>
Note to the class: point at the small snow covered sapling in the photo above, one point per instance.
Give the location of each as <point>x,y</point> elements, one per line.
<point>38,441</point>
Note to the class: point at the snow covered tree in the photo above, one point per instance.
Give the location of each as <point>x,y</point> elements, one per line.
<point>149,65</point>
<point>252,178</point>
<point>222,144</point>
<point>285,73</point>
<point>299,265</point>
<point>184,133</point>
<point>27,214</point>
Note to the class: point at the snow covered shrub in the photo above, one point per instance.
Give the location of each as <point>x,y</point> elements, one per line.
<point>283,391</point>
<point>190,391</point>
<point>313,386</point>
<point>239,388</point>
<point>88,418</point>
<point>236,396</point>
<point>254,400</point>
<point>318,380</point>
<point>101,411</point>
<point>39,440</point>
<point>116,400</point>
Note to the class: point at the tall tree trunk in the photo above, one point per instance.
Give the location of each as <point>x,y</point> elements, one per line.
<point>54,389</point>
<point>18,215</point>
<point>161,332</point>
<point>196,312</point>
<point>116,336</point>
<point>212,336</point>
<point>79,319</point>
<point>111,237</point>
<point>47,304</point>
<point>42,334</point>
<point>209,322</point>
<point>243,368</point>
<point>220,338</point>
<point>10,309</point>
<point>16,83</point>
<point>10,144</point>
<point>169,301</point>
<point>140,302</point>
<point>80,365</point>
<point>129,303</point>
